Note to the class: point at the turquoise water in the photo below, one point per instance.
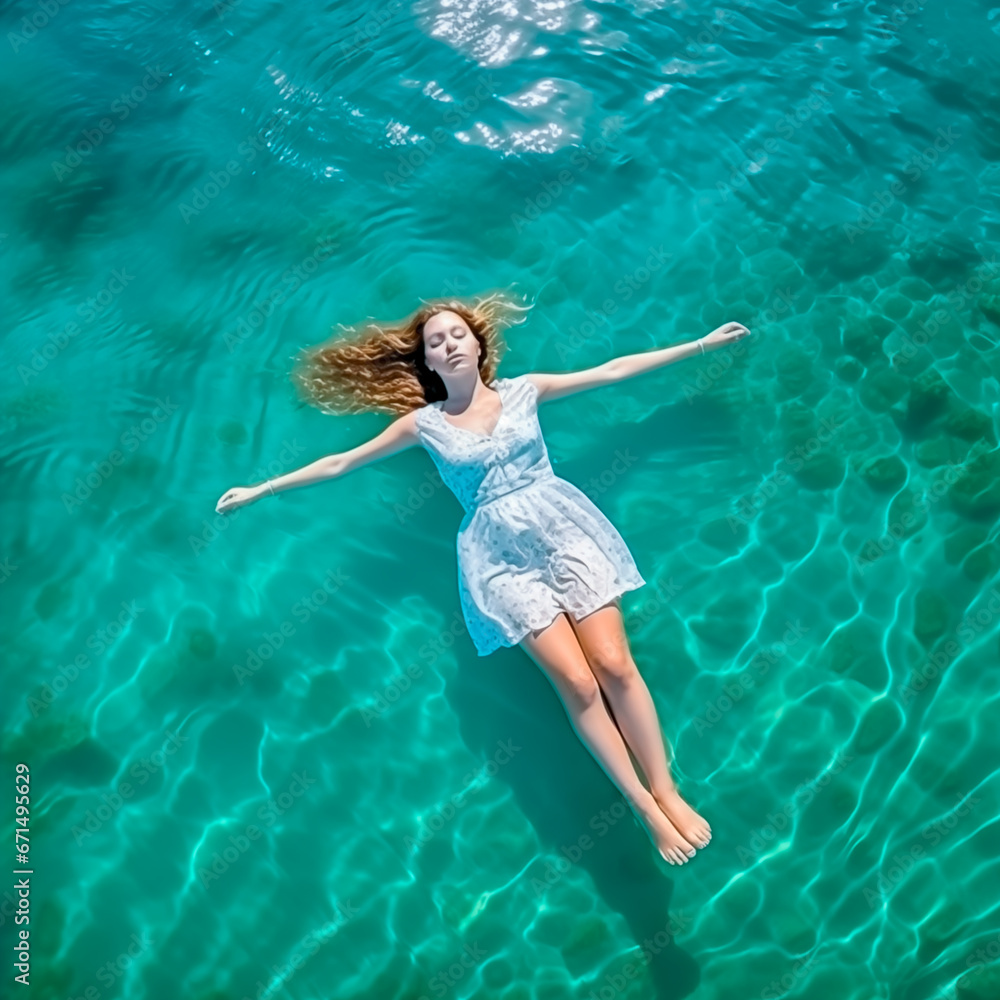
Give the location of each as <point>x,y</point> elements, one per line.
<point>264,757</point>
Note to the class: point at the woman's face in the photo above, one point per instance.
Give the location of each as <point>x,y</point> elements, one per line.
<point>450,346</point>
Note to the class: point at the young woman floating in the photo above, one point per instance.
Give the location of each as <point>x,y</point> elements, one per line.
<point>538,563</point>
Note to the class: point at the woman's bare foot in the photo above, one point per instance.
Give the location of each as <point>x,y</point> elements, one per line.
<point>673,848</point>
<point>686,821</point>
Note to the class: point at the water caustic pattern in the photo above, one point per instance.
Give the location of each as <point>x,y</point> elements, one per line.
<point>264,758</point>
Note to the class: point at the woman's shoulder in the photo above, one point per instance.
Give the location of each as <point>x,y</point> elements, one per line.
<point>521,384</point>
<point>422,417</point>
<point>525,379</point>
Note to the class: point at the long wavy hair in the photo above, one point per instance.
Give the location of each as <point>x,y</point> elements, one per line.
<point>381,367</point>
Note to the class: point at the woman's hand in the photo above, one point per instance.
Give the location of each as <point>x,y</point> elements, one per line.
<point>238,496</point>
<point>723,336</point>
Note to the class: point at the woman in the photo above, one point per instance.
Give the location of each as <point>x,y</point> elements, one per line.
<point>539,564</point>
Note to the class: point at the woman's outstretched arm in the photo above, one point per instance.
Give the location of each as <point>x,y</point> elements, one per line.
<point>398,436</point>
<point>552,385</point>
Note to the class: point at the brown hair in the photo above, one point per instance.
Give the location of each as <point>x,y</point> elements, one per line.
<point>383,368</point>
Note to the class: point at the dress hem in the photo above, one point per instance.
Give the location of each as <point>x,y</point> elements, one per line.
<point>589,609</point>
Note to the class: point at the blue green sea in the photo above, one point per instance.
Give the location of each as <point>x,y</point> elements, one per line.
<point>256,755</point>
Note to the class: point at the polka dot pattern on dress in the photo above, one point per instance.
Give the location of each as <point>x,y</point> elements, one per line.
<point>531,545</point>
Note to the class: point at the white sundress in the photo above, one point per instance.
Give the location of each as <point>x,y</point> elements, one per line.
<point>531,545</point>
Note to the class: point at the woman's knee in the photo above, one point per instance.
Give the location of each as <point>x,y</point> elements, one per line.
<point>578,685</point>
<point>572,677</point>
<point>602,637</point>
<point>557,651</point>
<point>613,664</point>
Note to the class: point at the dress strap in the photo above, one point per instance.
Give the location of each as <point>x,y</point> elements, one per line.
<point>420,417</point>
<point>525,387</point>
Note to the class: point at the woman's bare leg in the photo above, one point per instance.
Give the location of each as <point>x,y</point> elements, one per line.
<point>605,644</point>
<point>557,652</point>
